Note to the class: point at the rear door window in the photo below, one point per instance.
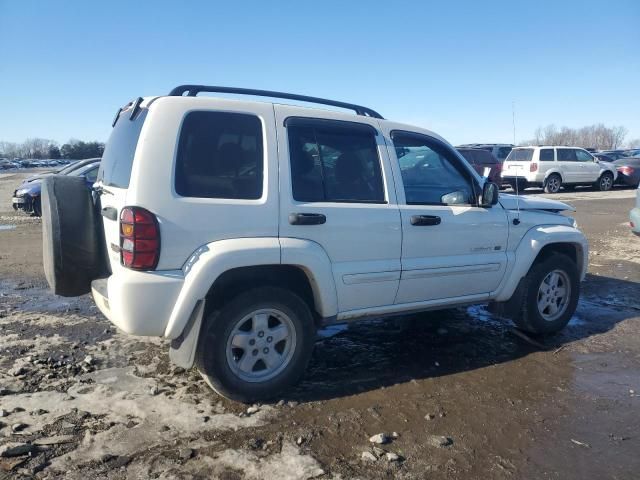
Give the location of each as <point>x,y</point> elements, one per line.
<point>335,163</point>
<point>220,155</point>
<point>520,155</point>
<point>117,159</point>
<point>546,154</point>
<point>566,155</point>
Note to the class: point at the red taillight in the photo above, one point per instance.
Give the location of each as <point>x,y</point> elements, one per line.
<point>626,170</point>
<point>533,167</point>
<point>139,239</point>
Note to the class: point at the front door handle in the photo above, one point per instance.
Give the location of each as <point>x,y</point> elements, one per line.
<point>307,219</point>
<point>425,220</point>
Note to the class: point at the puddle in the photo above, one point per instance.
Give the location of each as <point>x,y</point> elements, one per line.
<point>7,227</point>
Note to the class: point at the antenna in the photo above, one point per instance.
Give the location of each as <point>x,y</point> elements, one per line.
<point>513,117</point>
<point>516,221</point>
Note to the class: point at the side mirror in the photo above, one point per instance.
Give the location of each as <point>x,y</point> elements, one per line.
<point>490,192</point>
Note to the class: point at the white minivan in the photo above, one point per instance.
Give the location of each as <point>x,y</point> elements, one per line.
<point>552,167</point>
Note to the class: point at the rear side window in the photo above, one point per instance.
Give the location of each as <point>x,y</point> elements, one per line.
<point>520,155</point>
<point>566,155</point>
<point>485,158</point>
<point>331,163</point>
<point>469,156</point>
<point>220,155</point>
<point>546,154</point>
<point>117,159</point>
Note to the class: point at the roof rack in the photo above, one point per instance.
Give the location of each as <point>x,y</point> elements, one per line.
<point>193,90</point>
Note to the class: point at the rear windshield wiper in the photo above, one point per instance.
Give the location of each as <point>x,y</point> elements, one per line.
<point>101,190</point>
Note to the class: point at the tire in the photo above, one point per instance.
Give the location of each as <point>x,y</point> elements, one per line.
<point>605,182</point>
<point>37,207</point>
<point>534,319</point>
<point>72,245</point>
<point>553,183</point>
<point>221,364</point>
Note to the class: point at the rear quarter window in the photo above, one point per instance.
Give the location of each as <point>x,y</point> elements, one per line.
<point>220,155</point>
<point>546,154</point>
<point>117,159</point>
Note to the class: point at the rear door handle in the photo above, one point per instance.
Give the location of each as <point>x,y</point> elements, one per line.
<point>307,219</point>
<point>425,220</point>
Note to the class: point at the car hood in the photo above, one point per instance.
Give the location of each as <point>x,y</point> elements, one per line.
<point>39,176</point>
<point>513,202</point>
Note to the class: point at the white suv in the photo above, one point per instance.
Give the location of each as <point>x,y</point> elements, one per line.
<point>238,228</point>
<point>552,167</point>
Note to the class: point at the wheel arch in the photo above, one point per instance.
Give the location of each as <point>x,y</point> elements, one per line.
<point>552,171</point>
<point>539,243</point>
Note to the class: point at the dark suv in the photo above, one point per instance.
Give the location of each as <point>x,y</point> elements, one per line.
<point>482,159</point>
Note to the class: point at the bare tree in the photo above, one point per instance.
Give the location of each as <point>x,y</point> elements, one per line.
<point>593,136</point>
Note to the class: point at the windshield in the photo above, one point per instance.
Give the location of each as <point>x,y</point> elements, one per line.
<point>117,159</point>
<point>520,155</point>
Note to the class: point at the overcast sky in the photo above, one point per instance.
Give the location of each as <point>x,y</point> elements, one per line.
<point>454,67</point>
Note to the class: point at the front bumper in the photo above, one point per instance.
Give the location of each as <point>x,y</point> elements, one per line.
<point>22,203</point>
<point>140,303</point>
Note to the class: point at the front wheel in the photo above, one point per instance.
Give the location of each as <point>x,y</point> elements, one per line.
<point>605,182</point>
<point>256,345</point>
<point>552,289</point>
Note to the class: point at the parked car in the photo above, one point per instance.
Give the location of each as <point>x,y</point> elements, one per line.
<point>634,215</point>
<point>603,157</point>
<point>237,228</point>
<point>552,167</point>
<point>481,160</point>
<point>499,150</point>
<point>27,197</point>
<point>628,171</point>
<point>62,170</point>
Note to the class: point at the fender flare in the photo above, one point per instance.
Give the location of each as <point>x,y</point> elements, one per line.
<point>530,246</point>
<point>551,172</point>
<point>210,261</point>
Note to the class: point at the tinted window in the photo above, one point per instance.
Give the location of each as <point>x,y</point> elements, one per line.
<point>503,152</point>
<point>485,158</point>
<point>583,156</point>
<point>334,164</point>
<point>91,175</point>
<point>431,173</point>
<point>220,156</point>
<point>117,159</point>
<point>520,155</point>
<point>546,154</point>
<point>566,155</point>
<point>469,156</point>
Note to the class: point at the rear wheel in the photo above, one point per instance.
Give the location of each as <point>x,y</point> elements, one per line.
<point>553,183</point>
<point>605,182</point>
<point>550,297</point>
<point>257,344</point>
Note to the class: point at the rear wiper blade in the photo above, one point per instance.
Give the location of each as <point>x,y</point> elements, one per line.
<point>100,190</point>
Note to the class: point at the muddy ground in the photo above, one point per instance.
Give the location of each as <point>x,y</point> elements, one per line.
<point>87,401</point>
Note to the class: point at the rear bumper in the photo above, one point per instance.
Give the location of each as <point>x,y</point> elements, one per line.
<point>140,303</point>
<point>626,180</point>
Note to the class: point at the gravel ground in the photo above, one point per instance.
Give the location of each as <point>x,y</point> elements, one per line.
<point>457,394</point>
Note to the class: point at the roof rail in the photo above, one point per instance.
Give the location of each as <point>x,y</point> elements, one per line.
<point>193,90</point>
